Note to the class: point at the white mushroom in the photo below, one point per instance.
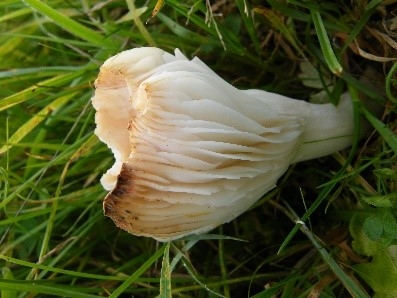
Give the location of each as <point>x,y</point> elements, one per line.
<point>193,152</point>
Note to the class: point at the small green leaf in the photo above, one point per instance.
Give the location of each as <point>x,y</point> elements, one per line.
<point>379,201</point>
<point>381,272</point>
<point>373,227</point>
<point>387,173</point>
<point>389,225</point>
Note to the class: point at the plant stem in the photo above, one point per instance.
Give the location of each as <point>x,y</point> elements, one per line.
<point>139,24</point>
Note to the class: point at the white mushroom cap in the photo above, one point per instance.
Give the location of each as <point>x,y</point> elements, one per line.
<point>192,151</point>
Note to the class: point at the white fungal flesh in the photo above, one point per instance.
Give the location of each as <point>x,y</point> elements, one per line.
<point>192,151</point>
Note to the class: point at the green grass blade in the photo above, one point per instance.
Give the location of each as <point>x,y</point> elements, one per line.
<point>248,21</point>
<point>35,121</point>
<point>287,10</point>
<point>69,24</point>
<point>13,42</point>
<point>180,30</point>
<point>364,88</point>
<point>325,44</point>
<point>45,70</point>
<point>193,273</point>
<point>349,284</point>
<point>60,270</point>
<point>38,287</point>
<point>15,14</point>
<point>223,267</point>
<point>138,272</point>
<point>38,88</point>
<point>165,278</point>
<point>388,135</point>
<point>142,29</point>
<point>390,82</point>
<point>7,275</point>
<point>363,20</point>
<point>278,24</point>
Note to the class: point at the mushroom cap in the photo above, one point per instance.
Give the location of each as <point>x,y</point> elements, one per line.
<point>192,152</point>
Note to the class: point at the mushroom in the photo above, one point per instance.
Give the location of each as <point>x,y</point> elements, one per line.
<point>193,152</point>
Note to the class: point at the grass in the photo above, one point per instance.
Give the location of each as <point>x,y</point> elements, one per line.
<point>328,230</point>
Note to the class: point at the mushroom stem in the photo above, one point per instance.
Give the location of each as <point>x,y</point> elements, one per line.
<point>327,128</point>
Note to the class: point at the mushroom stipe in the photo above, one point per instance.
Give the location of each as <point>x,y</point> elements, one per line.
<point>193,152</point>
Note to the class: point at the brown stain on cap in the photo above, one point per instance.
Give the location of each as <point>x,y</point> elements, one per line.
<point>110,78</point>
